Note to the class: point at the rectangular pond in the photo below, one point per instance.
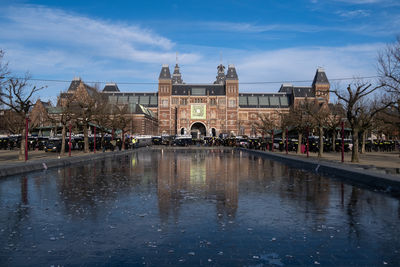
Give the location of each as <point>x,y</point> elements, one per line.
<point>193,207</point>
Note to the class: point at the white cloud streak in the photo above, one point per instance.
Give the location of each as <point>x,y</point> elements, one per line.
<point>368,29</point>
<point>362,2</point>
<point>385,3</point>
<point>83,35</point>
<point>301,63</point>
<point>353,13</point>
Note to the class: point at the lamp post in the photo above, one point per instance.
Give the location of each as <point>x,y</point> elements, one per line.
<point>94,140</point>
<point>272,149</point>
<point>69,150</point>
<point>26,138</point>
<point>307,148</point>
<point>342,124</point>
<point>287,141</point>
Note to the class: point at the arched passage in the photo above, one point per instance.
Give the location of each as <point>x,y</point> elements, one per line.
<point>213,132</point>
<point>198,130</point>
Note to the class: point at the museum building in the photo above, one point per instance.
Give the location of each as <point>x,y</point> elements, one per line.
<point>215,108</point>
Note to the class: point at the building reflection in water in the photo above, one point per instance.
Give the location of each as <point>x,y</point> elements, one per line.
<point>184,176</point>
<point>215,175</point>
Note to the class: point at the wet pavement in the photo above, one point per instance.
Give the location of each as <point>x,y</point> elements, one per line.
<point>213,208</point>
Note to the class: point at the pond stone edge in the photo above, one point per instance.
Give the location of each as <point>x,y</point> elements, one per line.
<point>43,164</point>
<point>385,182</point>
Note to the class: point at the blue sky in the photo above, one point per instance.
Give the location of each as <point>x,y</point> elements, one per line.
<point>128,41</point>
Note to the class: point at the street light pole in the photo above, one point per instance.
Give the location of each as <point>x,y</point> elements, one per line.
<point>342,140</point>
<point>26,138</point>
<point>272,149</point>
<point>287,141</point>
<point>94,147</point>
<point>69,151</point>
<point>307,148</point>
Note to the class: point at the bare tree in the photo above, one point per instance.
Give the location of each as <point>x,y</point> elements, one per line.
<point>86,110</point>
<point>389,72</point>
<point>319,112</point>
<point>13,122</point>
<point>284,123</point>
<point>122,120</point>
<point>265,123</point>
<point>388,122</point>
<point>64,115</point>
<point>333,121</point>
<point>18,98</point>
<point>103,117</point>
<point>4,72</point>
<point>389,68</point>
<point>300,121</point>
<point>359,111</point>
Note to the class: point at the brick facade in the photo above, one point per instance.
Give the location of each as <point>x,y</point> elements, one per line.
<point>207,109</point>
<point>226,111</point>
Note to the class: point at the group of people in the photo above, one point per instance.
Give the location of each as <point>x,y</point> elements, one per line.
<point>279,144</point>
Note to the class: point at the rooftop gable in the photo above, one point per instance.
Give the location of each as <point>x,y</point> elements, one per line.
<point>165,74</point>
<point>231,73</point>
<point>320,77</point>
<point>111,87</point>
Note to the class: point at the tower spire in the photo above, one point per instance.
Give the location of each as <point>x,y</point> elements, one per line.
<point>176,76</point>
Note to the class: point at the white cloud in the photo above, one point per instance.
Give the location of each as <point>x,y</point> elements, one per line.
<point>85,36</point>
<point>353,13</point>
<point>299,64</point>
<point>362,1</point>
<point>388,28</point>
<point>254,28</point>
<point>385,3</point>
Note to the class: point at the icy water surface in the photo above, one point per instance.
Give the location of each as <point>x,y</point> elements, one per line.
<point>212,208</point>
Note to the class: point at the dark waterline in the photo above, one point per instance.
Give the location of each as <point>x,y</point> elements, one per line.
<point>193,208</point>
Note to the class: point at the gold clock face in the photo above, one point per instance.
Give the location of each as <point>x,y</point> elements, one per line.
<point>198,112</point>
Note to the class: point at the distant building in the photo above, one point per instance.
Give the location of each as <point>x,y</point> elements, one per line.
<point>196,109</point>
<point>216,108</point>
<point>44,117</point>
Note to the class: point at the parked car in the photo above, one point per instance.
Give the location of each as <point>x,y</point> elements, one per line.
<point>53,146</point>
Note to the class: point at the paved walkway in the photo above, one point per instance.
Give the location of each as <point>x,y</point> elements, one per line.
<point>8,157</point>
<point>388,162</point>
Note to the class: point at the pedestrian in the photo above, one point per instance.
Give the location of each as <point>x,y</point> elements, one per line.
<point>103,144</point>
<point>113,144</point>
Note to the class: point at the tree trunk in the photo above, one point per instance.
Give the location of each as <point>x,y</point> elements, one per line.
<point>85,138</point>
<point>363,142</point>
<point>334,141</point>
<point>123,140</point>
<point>21,155</point>
<point>321,141</point>
<point>300,137</point>
<point>63,130</point>
<point>102,140</point>
<point>354,153</point>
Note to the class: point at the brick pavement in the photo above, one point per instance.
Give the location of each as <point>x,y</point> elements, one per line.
<point>374,161</point>
<point>11,156</point>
